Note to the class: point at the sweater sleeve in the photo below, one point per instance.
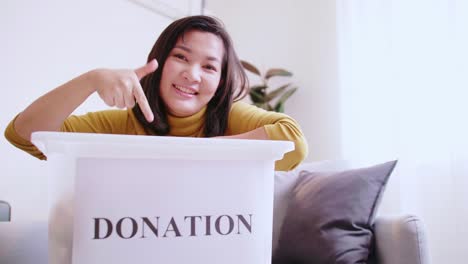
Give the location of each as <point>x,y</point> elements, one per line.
<point>244,117</point>
<point>21,143</point>
<point>106,122</point>
<point>102,122</point>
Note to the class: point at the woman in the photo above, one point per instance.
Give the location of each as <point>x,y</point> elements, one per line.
<point>187,88</point>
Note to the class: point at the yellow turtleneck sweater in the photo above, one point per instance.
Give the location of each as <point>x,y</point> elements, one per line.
<point>242,118</point>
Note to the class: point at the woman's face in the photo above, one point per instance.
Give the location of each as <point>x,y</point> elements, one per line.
<point>191,73</point>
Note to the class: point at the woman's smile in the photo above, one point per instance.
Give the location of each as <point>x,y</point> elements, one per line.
<point>185,91</point>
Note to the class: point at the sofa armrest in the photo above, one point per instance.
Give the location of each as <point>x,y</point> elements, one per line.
<point>23,242</point>
<point>401,240</point>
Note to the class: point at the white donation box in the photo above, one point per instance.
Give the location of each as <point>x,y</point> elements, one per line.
<point>146,199</point>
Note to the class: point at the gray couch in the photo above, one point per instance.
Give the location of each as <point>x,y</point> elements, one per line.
<point>399,240</point>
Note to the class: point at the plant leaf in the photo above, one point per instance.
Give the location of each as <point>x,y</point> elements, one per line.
<point>259,89</point>
<point>256,96</point>
<point>277,72</point>
<point>264,106</point>
<point>285,96</point>
<point>279,107</point>
<point>248,66</point>
<point>276,92</point>
<point>258,104</point>
<point>269,108</point>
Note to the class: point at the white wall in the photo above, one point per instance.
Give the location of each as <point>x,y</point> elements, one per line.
<point>299,36</point>
<point>45,43</point>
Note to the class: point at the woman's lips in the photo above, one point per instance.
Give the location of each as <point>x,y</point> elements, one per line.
<point>185,91</point>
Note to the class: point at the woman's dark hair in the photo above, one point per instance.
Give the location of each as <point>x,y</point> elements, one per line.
<point>232,86</point>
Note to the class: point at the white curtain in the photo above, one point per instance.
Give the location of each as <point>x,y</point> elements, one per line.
<point>404,94</point>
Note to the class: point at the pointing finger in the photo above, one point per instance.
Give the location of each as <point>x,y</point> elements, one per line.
<point>146,69</point>
<point>143,102</point>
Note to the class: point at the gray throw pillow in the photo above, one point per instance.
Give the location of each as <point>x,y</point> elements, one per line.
<point>330,216</point>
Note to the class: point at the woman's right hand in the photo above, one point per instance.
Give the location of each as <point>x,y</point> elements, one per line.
<point>121,88</point>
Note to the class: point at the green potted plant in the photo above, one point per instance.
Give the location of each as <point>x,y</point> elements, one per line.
<point>266,97</point>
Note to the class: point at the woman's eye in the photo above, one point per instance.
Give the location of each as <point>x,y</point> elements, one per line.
<point>210,67</point>
<point>180,56</point>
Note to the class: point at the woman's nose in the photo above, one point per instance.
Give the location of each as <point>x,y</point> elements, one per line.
<point>192,73</point>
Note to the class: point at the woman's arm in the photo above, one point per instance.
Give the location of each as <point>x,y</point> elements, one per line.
<point>116,88</point>
<point>250,122</point>
<point>258,133</point>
